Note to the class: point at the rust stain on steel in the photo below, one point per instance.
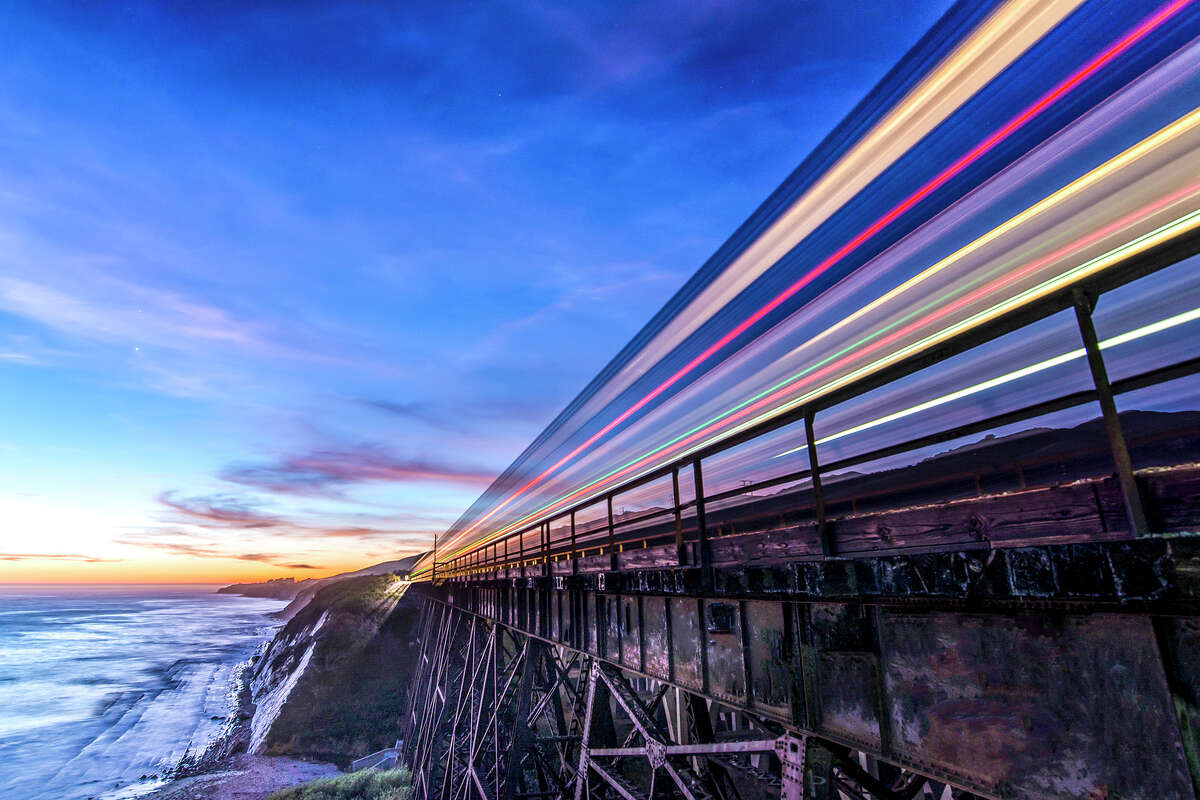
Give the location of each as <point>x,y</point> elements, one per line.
<point>592,622</point>
<point>685,636</point>
<point>769,668</point>
<point>849,696</point>
<point>1035,705</point>
<point>553,630</point>
<point>847,671</point>
<point>658,651</point>
<point>726,670</point>
<point>611,622</point>
<point>629,625</point>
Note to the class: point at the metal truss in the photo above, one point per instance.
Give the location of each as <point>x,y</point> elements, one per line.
<point>492,713</point>
<point>497,714</point>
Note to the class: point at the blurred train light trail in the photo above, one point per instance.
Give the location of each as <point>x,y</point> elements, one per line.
<point>696,438</point>
<point>1190,123</point>
<point>1045,102</point>
<point>869,262</point>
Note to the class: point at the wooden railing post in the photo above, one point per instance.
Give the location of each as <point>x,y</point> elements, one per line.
<point>612,538</point>
<point>702,525</point>
<point>1134,512</point>
<point>574,553</point>
<point>680,553</point>
<point>521,551</point>
<point>823,532</point>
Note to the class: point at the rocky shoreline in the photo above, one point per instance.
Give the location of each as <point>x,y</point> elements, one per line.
<point>244,777</point>
<point>236,735</point>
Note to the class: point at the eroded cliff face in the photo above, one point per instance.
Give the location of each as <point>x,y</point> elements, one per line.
<point>332,683</point>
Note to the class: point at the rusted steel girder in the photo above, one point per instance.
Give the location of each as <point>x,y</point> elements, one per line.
<point>1051,671</point>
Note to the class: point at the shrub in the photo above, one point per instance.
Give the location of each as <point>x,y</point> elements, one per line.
<point>370,784</point>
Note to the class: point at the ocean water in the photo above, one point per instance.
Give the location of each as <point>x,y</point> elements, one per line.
<point>103,688</point>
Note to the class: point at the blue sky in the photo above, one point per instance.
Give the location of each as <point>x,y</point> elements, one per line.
<point>285,285</point>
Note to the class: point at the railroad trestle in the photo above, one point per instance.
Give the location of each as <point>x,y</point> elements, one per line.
<point>1051,671</point>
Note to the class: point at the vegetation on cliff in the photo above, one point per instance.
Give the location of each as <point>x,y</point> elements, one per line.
<point>392,784</point>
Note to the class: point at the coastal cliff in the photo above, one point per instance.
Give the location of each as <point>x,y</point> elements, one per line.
<point>331,684</point>
<point>327,688</point>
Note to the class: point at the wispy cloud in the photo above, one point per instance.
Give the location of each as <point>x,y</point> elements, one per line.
<point>28,350</point>
<point>373,533</point>
<point>578,289</point>
<point>151,540</point>
<point>264,557</point>
<point>242,517</point>
<point>326,473</point>
<point>176,548</point>
<point>168,340</point>
<point>465,416</point>
<point>128,314</point>
<point>223,511</point>
<point>55,557</point>
<point>419,412</point>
